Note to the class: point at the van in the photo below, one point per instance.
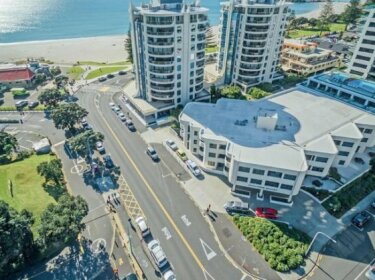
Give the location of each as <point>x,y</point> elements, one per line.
<point>193,167</point>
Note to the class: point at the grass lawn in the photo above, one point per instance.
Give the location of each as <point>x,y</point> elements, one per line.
<point>28,191</point>
<point>283,248</point>
<point>103,71</point>
<point>75,72</point>
<point>297,33</point>
<point>346,198</point>
<point>212,49</point>
<point>96,63</point>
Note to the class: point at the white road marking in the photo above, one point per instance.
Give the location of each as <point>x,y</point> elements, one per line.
<point>243,277</point>
<point>360,274</point>
<point>185,220</point>
<point>59,143</point>
<point>166,233</point>
<point>207,276</point>
<point>98,245</point>
<point>88,230</point>
<point>207,250</point>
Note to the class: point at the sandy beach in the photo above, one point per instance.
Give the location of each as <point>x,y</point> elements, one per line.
<point>100,49</point>
<point>338,8</point>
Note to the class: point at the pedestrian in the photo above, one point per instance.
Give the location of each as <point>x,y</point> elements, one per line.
<point>21,121</point>
<point>208,208</point>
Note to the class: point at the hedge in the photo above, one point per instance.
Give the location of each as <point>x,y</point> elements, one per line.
<point>346,198</point>
<point>283,248</point>
<point>319,194</point>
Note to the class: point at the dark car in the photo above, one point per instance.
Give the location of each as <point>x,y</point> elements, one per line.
<point>110,76</point>
<point>122,72</point>
<point>130,276</point>
<point>360,219</point>
<point>268,213</point>
<point>102,79</point>
<point>108,163</point>
<point>33,104</point>
<point>21,103</point>
<point>130,125</point>
<point>237,207</point>
<point>317,183</point>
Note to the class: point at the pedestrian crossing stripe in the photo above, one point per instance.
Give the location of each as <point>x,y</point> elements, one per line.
<point>120,261</point>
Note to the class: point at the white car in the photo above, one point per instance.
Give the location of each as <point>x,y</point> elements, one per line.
<point>157,253</point>
<point>171,144</point>
<point>169,275</point>
<point>370,274</point>
<point>116,109</point>
<point>99,146</point>
<point>122,116</point>
<point>112,105</point>
<point>193,167</point>
<point>141,223</point>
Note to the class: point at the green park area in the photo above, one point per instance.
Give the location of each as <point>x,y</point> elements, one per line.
<point>28,190</point>
<point>96,63</point>
<point>212,49</point>
<point>104,71</point>
<point>282,247</point>
<point>75,72</point>
<point>309,31</point>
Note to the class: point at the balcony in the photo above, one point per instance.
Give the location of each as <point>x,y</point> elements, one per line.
<point>161,52</point>
<point>164,70</point>
<point>158,87</point>
<point>253,37</point>
<point>159,20</point>
<point>246,59</point>
<point>160,31</point>
<point>256,30</point>
<point>160,42</point>
<point>161,61</point>
<point>248,73</point>
<point>199,72</point>
<point>254,45</point>
<point>160,79</point>
<point>200,64</point>
<point>250,67</point>
<point>199,87</point>
<point>198,80</point>
<point>252,53</point>
<point>162,96</point>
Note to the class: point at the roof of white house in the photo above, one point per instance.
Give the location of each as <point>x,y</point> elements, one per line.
<point>304,121</point>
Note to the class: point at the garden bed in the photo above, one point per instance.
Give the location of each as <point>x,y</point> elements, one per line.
<point>319,194</point>
<point>282,247</point>
<point>346,198</point>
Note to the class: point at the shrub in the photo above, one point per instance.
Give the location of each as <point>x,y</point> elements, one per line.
<point>283,248</point>
<point>24,154</point>
<point>334,173</point>
<point>257,93</point>
<point>319,194</point>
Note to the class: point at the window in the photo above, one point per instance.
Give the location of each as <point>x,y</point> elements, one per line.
<point>360,65</point>
<point>241,179</point>
<point>213,146</point>
<point>368,131</point>
<point>221,156</point>
<point>341,162</point>
<point>310,157</point>
<point>366,50</point>
<point>244,169</point>
<point>274,174</point>
<point>195,133</point>
<point>286,187</point>
<point>364,140</point>
<point>342,153</point>
<point>222,147</point>
<point>317,169</point>
<point>258,171</point>
<point>361,57</point>
<point>337,142</point>
<point>271,184</point>
<point>256,181</point>
<point>347,144</point>
<point>321,159</point>
<point>212,155</point>
<point>210,163</point>
<point>195,142</point>
<point>290,177</point>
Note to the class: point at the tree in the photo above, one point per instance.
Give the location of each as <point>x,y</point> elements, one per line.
<point>257,93</point>
<point>79,143</point>
<point>8,144</point>
<point>325,15</point>
<point>51,171</point>
<point>214,92</point>
<point>62,222</point>
<point>40,78</point>
<point>66,116</point>
<point>16,238</point>
<point>352,13</point>
<point>313,22</point>
<point>232,92</point>
<point>55,71</point>
<point>128,46</point>
<point>51,97</point>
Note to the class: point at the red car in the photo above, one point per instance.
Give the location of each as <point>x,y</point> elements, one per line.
<point>268,213</point>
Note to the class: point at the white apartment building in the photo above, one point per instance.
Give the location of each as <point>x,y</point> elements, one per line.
<point>270,145</point>
<point>168,42</point>
<point>251,38</point>
<point>363,60</point>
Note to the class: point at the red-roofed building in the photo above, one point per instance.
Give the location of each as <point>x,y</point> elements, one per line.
<point>16,76</point>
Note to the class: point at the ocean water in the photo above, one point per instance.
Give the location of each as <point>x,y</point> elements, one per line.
<point>34,20</point>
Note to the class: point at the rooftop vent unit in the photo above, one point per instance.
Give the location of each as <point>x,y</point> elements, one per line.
<point>267,119</point>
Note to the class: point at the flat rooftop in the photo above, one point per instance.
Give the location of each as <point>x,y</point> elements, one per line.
<point>303,120</point>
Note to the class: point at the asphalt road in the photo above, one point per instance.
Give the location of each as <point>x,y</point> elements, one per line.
<point>173,218</point>
<point>350,257</point>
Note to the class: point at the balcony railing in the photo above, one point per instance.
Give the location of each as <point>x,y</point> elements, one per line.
<point>161,80</point>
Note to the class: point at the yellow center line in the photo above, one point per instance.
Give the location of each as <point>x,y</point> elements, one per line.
<point>169,218</point>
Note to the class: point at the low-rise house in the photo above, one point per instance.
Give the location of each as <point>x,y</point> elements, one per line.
<point>16,76</point>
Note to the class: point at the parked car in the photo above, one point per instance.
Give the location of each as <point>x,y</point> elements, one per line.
<point>130,125</point>
<point>142,225</point>
<point>116,109</point>
<point>99,146</point>
<point>370,274</point>
<point>108,163</point>
<point>193,167</point>
<point>130,276</point>
<point>84,122</point>
<point>152,153</point>
<point>157,253</point>
<point>268,213</point>
<point>32,104</point>
<point>171,144</point>
<point>102,79</point>
<point>360,219</point>
<point>169,275</point>
<point>112,105</point>
<point>181,154</point>
<point>21,103</point>
<point>237,207</point>
<point>110,76</point>
<point>317,183</point>
<point>122,116</point>
<point>122,72</point>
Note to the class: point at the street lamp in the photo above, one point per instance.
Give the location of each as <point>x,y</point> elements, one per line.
<point>315,236</point>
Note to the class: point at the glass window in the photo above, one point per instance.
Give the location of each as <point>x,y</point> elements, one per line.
<point>258,171</point>
<point>274,174</point>
<point>286,187</point>
<point>213,146</point>
<point>244,169</point>
<point>271,184</point>
<point>222,147</point>
<point>211,163</point>
<point>317,169</point>
<point>342,153</point>
<point>367,130</point>
<point>364,140</point>
<point>310,157</point>
<point>321,159</point>
<point>221,156</point>
<point>241,179</point>
<point>347,144</point>
<point>290,177</point>
<point>212,155</point>
<point>337,142</point>
<point>196,133</point>
<point>341,162</point>
<point>256,181</point>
